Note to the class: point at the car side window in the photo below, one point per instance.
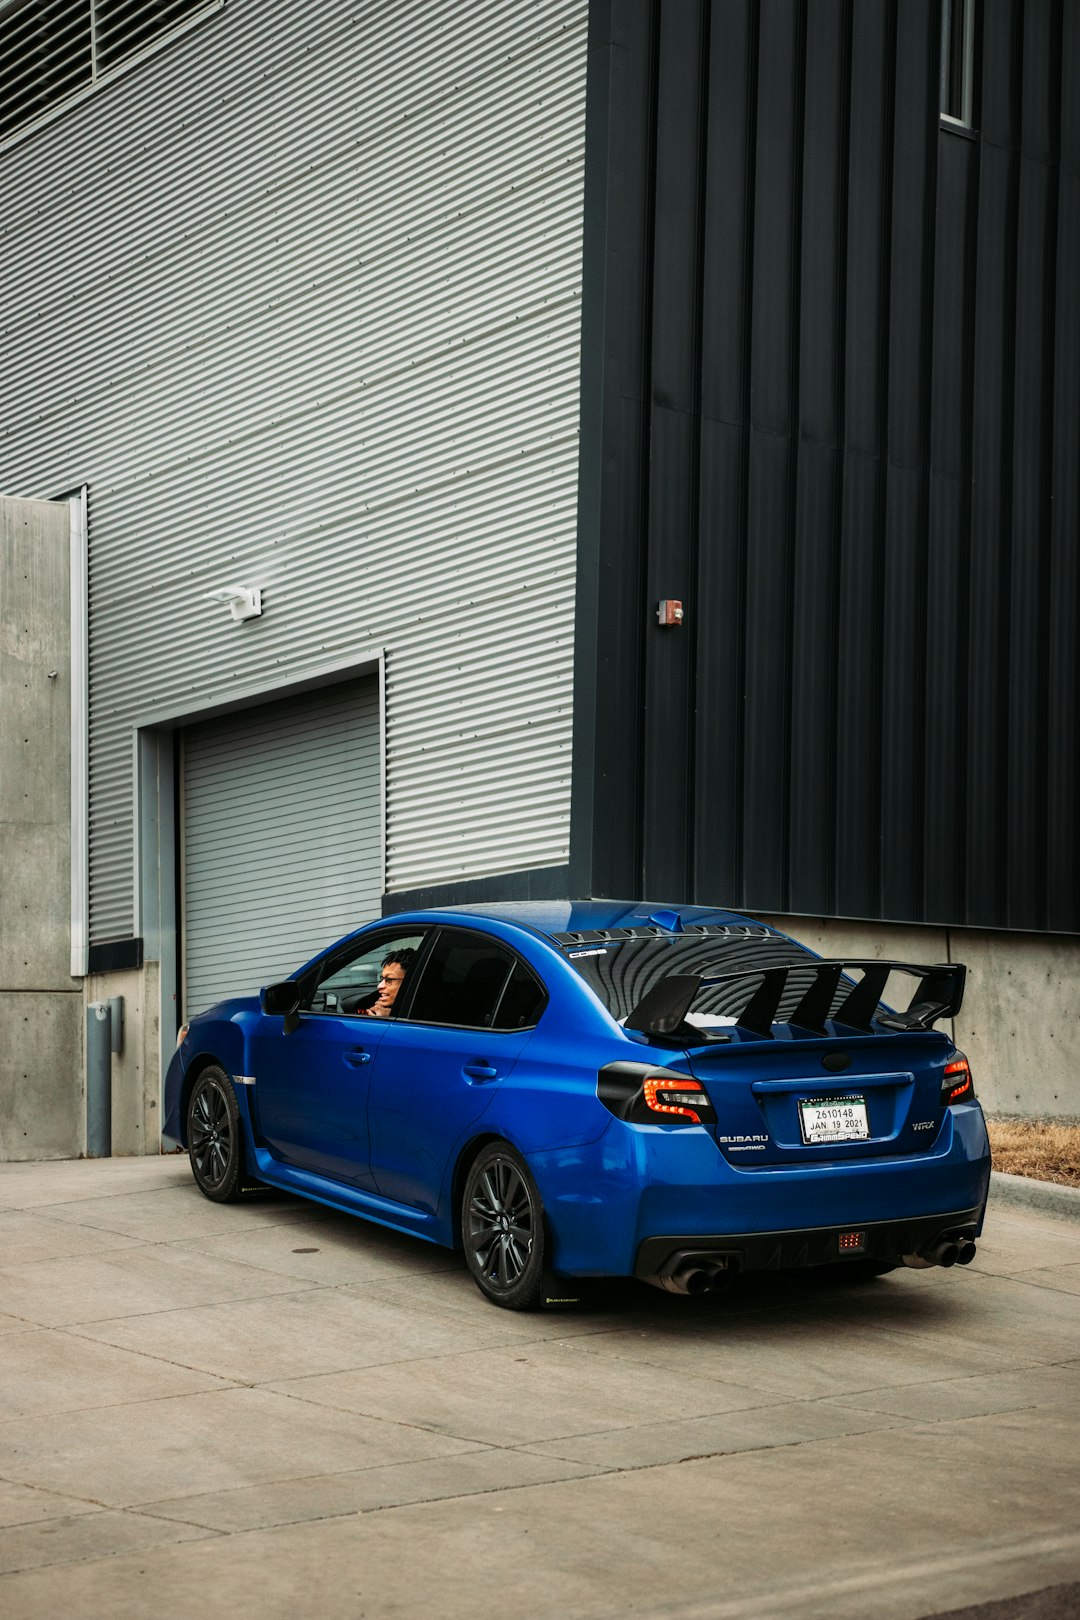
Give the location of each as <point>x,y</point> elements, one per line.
<point>473,982</point>
<point>523,1000</point>
<point>349,982</point>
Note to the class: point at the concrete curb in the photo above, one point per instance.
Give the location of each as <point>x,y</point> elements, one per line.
<point>1044,1197</point>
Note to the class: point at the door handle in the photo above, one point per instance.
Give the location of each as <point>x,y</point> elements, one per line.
<point>480,1071</point>
<point>357,1056</point>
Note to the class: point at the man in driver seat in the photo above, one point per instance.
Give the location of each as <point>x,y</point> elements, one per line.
<point>392,977</point>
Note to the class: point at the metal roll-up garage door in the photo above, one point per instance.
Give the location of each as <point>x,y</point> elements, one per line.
<point>282,833</point>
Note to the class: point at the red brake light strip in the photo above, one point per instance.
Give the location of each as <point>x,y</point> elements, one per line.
<point>961,1068</point>
<point>685,1091</point>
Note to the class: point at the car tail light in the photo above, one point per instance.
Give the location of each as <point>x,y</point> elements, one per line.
<point>643,1094</point>
<point>957,1085</point>
<point>685,1097</point>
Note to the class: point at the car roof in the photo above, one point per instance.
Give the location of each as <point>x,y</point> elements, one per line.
<point>558,918</point>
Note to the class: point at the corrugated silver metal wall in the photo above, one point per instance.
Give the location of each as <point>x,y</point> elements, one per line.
<point>299,299</point>
<point>281,837</point>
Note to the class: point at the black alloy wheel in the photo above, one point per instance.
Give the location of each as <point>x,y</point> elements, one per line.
<point>215,1145</point>
<point>502,1228</point>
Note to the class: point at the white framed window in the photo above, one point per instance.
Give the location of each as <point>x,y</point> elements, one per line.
<point>53,53</point>
<point>957,61</point>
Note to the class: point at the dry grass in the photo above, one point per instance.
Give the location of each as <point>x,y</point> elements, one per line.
<point>1036,1148</point>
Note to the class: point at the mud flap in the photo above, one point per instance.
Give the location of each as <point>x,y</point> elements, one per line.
<point>561,1293</point>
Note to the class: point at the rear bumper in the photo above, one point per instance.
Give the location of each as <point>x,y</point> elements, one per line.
<point>605,1200</point>
<point>885,1241</point>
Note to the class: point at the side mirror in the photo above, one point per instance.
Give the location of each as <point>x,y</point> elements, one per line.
<point>280,998</point>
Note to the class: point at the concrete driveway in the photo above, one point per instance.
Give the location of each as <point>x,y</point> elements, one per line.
<point>269,1410</point>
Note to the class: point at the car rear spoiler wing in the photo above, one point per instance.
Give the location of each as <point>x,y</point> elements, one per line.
<point>938,994</point>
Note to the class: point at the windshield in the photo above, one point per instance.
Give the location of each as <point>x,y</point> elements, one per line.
<point>622,971</point>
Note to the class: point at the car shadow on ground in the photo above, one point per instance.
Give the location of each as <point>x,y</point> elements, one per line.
<point>902,1295</point>
<point>802,1292</point>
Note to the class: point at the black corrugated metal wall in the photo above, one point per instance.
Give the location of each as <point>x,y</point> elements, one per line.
<point>831,400</point>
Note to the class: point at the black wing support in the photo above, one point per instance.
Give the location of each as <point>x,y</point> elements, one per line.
<point>939,993</point>
<point>662,1009</point>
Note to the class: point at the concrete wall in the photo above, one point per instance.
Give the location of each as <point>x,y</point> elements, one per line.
<point>42,1100</point>
<point>136,1070</point>
<point>1020,1022</point>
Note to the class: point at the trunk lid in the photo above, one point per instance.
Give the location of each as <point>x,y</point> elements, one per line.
<point>793,1101</point>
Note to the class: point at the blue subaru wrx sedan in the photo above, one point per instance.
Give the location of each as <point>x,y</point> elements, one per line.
<point>568,1090</point>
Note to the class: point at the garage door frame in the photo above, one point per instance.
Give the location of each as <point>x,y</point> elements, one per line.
<point>156,816</point>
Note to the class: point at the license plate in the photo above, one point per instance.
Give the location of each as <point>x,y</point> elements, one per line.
<point>833,1119</point>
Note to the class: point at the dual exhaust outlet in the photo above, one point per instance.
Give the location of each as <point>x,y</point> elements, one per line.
<point>707,1274</point>
<point>949,1251</point>
<point>694,1275</point>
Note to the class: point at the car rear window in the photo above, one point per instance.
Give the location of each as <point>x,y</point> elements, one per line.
<point>622,971</point>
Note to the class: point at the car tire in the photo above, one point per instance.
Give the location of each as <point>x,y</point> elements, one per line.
<point>502,1229</point>
<point>215,1138</point>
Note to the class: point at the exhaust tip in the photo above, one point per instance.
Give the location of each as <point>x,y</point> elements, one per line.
<point>685,1280</point>
<point>694,1280</point>
<point>946,1253</point>
<point>693,1272</point>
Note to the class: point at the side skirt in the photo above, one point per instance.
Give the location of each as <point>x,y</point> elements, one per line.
<point>349,1200</point>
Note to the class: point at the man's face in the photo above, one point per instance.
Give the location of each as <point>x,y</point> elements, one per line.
<point>389,984</point>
